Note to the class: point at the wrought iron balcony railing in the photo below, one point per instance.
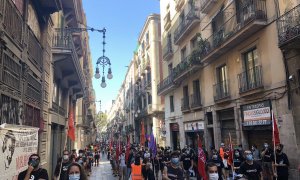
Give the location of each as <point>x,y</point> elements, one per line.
<point>167,51</point>
<point>235,22</point>
<point>62,111</point>
<point>63,40</point>
<point>166,83</point>
<point>167,21</point>
<point>250,79</point>
<point>195,100</point>
<point>185,104</point>
<point>186,65</point>
<point>289,26</point>
<point>221,90</point>
<point>184,27</point>
<point>35,49</point>
<point>12,21</point>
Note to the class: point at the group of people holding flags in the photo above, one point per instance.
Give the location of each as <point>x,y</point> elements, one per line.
<point>137,162</point>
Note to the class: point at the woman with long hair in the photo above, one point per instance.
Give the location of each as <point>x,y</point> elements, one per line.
<point>76,172</point>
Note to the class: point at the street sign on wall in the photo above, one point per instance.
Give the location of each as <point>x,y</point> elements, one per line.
<point>256,114</point>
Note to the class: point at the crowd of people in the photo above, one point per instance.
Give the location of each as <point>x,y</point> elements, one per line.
<point>221,164</point>
<point>142,163</point>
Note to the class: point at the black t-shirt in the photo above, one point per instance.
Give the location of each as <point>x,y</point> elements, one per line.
<point>282,159</point>
<point>174,173</point>
<point>35,175</point>
<point>186,161</point>
<point>251,171</point>
<point>267,156</point>
<point>64,169</point>
<point>219,164</point>
<point>160,160</point>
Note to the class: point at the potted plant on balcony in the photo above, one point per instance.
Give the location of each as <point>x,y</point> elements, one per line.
<point>203,47</point>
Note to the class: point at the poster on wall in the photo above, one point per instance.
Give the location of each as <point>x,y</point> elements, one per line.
<point>257,113</point>
<point>17,143</point>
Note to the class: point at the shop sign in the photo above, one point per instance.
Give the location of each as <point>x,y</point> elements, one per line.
<point>174,127</point>
<point>257,113</point>
<point>17,144</point>
<point>194,126</point>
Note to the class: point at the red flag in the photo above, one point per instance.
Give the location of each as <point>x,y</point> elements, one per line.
<point>201,160</point>
<point>276,139</point>
<point>127,148</point>
<point>71,130</point>
<point>142,142</point>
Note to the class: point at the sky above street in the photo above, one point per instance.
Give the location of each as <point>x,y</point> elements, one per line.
<point>123,20</point>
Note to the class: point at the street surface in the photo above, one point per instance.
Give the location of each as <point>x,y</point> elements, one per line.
<point>102,172</point>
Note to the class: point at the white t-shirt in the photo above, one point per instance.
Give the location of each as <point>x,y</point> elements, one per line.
<point>122,160</point>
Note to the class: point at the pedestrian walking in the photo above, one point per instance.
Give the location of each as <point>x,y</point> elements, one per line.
<point>281,164</point>
<point>33,171</point>
<point>251,169</point>
<point>266,154</point>
<point>173,171</point>
<point>62,166</point>
<point>76,172</point>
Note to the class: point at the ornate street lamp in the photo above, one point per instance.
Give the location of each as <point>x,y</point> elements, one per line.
<point>103,61</point>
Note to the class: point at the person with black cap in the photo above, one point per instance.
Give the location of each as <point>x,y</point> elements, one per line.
<point>34,171</point>
<point>173,171</point>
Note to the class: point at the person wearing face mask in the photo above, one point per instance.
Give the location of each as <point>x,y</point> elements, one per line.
<point>281,166</point>
<point>122,166</point>
<point>62,167</point>
<point>173,171</point>
<point>216,159</point>
<point>266,154</point>
<point>251,169</point>
<point>212,171</point>
<point>76,172</point>
<point>34,171</point>
<point>237,161</point>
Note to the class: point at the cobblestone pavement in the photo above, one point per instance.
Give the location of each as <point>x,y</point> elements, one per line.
<point>102,172</point>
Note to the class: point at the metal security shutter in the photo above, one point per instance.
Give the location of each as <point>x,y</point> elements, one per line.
<point>258,137</point>
<point>227,125</point>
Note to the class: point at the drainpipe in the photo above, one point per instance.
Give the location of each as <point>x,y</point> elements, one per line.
<point>287,79</point>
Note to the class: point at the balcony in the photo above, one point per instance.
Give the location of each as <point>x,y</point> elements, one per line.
<point>196,101</point>
<point>35,50</point>
<point>12,21</point>
<point>62,111</point>
<point>148,83</point>
<point>188,66</point>
<point>221,91</point>
<point>179,4</point>
<point>167,21</point>
<point>250,79</point>
<point>186,25</point>
<point>66,60</point>
<point>185,104</point>
<point>167,52</point>
<point>236,28</point>
<point>207,5</point>
<point>55,107</point>
<point>289,28</point>
<point>166,85</point>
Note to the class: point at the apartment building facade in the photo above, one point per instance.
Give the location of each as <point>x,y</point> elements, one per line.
<point>224,74</point>
<point>149,106</point>
<point>41,70</point>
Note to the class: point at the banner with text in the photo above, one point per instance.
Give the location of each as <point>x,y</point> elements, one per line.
<point>16,145</point>
<point>257,113</point>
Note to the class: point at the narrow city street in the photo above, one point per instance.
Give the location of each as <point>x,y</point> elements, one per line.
<point>102,172</point>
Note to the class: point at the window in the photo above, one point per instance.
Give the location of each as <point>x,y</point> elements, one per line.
<point>171,103</point>
<point>183,53</point>
<point>170,68</point>
<point>250,59</point>
<point>193,43</point>
<point>221,74</point>
<point>196,88</point>
<point>147,38</point>
<point>169,40</point>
